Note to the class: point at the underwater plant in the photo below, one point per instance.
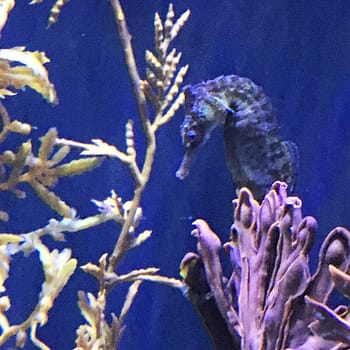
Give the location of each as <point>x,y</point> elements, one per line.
<point>43,170</point>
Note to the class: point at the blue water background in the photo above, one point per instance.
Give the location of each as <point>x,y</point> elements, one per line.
<point>297,50</point>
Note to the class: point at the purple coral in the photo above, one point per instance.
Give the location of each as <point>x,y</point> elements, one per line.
<point>271,301</point>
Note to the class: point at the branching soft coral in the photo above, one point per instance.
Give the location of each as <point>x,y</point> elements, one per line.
<point>271,300</point>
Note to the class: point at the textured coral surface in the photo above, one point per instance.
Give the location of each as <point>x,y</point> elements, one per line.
<point>271,300</point>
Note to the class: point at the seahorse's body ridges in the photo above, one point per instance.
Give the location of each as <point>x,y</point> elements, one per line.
<point>255,154</point>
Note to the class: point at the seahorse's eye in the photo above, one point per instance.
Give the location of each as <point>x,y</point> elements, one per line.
<point>191,135</point>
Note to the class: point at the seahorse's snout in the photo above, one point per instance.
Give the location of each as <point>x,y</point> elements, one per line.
<point>185,165</point>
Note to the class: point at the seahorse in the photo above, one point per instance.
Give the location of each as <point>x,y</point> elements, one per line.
<point>255,154</point>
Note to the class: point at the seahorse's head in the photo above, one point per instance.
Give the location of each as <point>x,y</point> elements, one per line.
<point>203,112</point>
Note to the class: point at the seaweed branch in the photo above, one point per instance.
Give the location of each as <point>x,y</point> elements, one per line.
<point>165,82</point>
<point>41,172</point>
<point>161,89</point>
<point>54,12</point>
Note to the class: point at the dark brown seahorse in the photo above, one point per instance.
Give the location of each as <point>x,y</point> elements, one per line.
<point>255,154</point>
